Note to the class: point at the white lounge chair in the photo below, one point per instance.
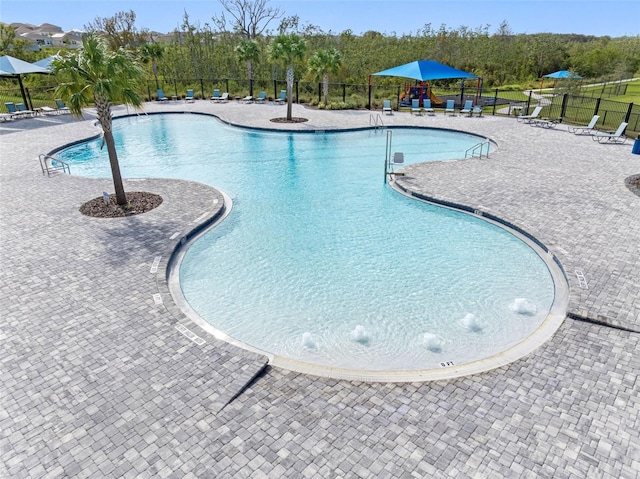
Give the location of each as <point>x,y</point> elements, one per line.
<point>450,107</point>
<point>426,106</point>
<point>248,99</point>
<point>282,98</point>
<point>224,97</point>
<point>546,122</point>
<point>585,130</point>
<point>386,107</point>
<point>62,108</point>
<point>415,107</point>
<point>467,107</point>
<point>476,109</point>
<point>161,96</point>
<point>611,137</point>
<point>529,118</point>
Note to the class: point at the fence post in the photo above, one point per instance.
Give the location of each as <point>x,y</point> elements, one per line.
<point>628,115</point>
<point>369,100</point>
<point>319,92</point>
<point>462,92</point>
<point>344,93</point>
<point>563,108</point>
<point>528,103</point>
<point>297,92</point>
<point>202,87</point>
<point>226,81</point>
<point>595,112</point>
<point>495,100</point>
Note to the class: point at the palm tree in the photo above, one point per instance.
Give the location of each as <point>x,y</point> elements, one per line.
<point>95,75</point>
<point>286,50</point>
<point>321,64</point>
<point>152,52</point>
<point>248,51</point>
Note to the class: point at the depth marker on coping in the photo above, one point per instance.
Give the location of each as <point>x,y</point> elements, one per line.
<point>201,217</point>
<point>581,279</point>
<point>215,201</point>
<point>157,298</point>
<point>154,266</point>
<point>189,334</point>
<point>174,235</point>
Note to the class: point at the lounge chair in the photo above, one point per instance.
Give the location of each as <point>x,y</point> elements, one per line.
<point>262,97</point>
<point>48,110</point>
<point>161,96</point>
<point>189,98</point>
<point>282,98</point>
<point>248,99</point>
<point>611,137</point>
<point>529,118</point>
<point>546,122</point>
<point>426,106</point>
<point>476,109</point>
<point>585,130</point>
<point>224,97</point>
<point>216,95</point>
<point>415,107</point>
<point>15,112</point>
<point>450,107</point>
<point>62,108</point>
<point>386,107</point>
<point>23,110</point>
<point>6,116</point>
<point>467,107</point>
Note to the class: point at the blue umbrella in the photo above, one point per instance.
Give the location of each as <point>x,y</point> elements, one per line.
<point>557,76</point>
<point>561,74</point>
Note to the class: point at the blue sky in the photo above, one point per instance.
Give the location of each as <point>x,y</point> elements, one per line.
<point>614,18</point>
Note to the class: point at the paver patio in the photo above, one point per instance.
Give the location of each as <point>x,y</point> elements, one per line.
<point>97,381</point>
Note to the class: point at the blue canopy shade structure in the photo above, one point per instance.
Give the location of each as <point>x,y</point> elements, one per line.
<point>14,67</point>
<point>46,62</point>
<point>425,70</point>
<point>561,74</point>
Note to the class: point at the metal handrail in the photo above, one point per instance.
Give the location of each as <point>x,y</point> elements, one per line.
<point>49,164</point>
<point>472,152</point>
<point>376,120</point>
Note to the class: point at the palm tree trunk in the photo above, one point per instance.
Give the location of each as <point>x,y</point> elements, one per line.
<point>325,88</point>
<point>121,197</point>
<point>155,73</point>
<point>289,92</point>
<point>103,109</point>
<point>250,75</point>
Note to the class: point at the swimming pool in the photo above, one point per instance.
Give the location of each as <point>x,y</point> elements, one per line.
<point>321,263</point>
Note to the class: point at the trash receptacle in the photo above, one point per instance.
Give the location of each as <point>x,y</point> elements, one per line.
<point>636,146</point>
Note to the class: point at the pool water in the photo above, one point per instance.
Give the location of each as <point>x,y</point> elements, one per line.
<point>320,262</point>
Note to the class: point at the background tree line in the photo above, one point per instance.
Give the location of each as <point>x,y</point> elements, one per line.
<point>502,58</point>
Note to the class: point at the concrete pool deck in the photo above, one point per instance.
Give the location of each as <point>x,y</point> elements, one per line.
<point>103,377</point>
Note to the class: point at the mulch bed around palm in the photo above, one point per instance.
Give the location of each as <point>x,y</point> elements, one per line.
<point>293,120</point>
<point>138,202</point>
<point>633,183</point>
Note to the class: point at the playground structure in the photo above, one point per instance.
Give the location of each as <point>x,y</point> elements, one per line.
<point>421,91</point>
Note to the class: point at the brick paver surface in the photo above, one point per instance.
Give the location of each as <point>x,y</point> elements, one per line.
<point>102,376</point>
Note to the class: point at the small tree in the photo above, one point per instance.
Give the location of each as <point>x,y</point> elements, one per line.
<point>286,50</point>
<point>321,64</point>
<point>152,52</point>
<point>248,51</point>
<point>95,75</point>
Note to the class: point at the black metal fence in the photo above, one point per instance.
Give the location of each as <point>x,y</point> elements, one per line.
<point>571,108</point>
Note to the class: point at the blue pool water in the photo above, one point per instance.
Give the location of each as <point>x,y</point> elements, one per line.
<point>320,262</point>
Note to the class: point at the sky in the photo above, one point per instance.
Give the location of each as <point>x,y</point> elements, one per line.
<point>614,18</point>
